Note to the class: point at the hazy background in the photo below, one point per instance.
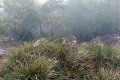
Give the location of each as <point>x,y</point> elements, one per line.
<point>32,19</point>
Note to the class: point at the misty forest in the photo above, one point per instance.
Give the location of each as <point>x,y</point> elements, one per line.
<point>59,39</point>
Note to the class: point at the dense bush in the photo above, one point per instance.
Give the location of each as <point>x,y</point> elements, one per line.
<point>87,19</point>
<point>84,19</point>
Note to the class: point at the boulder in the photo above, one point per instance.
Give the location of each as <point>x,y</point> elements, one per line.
<point>6,40</point>
<point>70,42</point>
<point>107,39</point>
<point>37,43</point>
<point>3,52</point>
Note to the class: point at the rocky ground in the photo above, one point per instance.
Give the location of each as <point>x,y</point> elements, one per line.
<point>3,52</point>
<point>107,39</point>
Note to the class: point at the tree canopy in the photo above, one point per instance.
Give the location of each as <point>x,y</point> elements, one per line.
<point>85,19</point>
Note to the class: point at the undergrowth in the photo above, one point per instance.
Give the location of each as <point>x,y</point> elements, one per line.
<point>53,61</point>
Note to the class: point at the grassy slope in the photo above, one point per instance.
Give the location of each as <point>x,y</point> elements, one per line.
<point>55,61</point>
<point>2,61</point>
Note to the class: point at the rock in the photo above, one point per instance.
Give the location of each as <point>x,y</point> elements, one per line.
<point>37,43</point>
<point>107,39</point>
<point>70,42</point>
<point>3,52</point>
<point>6,40</point>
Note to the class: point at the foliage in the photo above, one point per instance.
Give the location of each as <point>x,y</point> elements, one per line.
<point>82,18</point>
<point>26,16</point>
<point>94,18</point>
<point>53,60</point>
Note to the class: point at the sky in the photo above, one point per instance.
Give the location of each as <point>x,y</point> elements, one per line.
<point>1,3</point>
<point>42,1</point>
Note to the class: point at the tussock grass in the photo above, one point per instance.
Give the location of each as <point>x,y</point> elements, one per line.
<point>109,74</point>
<point>91,57</point>
<point>25,63</point>
<point>53,61</point>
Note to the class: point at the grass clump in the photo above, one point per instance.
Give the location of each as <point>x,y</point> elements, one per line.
<point>109,74</point>
<point>35,69</point>
<point>53,60</point>
<point>34,62</point>
<point>91,57</point>
<point>25,64</point>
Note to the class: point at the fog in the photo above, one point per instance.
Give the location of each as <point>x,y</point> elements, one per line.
<point>59,39</point>
<point>24,20</point>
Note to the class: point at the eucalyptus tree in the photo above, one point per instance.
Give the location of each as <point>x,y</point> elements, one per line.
<point>90,18</point>
<point>33,19</point>
<point>26,14</point>
<point>53,11</point>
